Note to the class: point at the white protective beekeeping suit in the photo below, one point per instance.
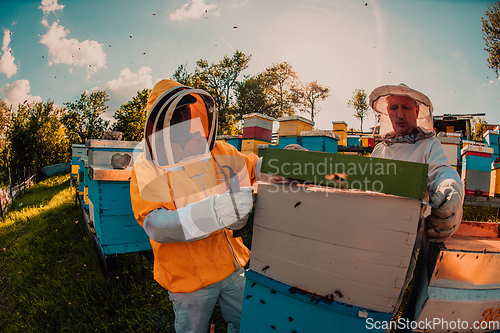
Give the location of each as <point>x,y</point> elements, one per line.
<point>444,187</point>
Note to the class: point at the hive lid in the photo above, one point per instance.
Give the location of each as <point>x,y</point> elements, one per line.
<point>363,173</point>
<point>329,134</point>
<point>477,149</point>
<point>99,143</point>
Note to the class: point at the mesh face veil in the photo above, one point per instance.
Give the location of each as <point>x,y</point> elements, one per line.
<point>378,102</point>
<point>181,124</point>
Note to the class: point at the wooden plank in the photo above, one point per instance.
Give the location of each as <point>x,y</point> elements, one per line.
<point>365,173</point>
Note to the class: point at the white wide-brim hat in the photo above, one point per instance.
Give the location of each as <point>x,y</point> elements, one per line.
<point>378,102</point>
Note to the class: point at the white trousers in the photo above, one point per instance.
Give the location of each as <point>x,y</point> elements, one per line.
<point>193,310</point>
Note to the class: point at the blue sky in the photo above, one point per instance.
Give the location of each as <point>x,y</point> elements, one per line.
<point>57,49</point>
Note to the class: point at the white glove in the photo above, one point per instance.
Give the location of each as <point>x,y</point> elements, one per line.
<point>198,220</point>
<point>446,213</point>
<point>234,215</point>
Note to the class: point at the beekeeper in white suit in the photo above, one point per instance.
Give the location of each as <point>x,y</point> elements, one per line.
<point>406,129</point>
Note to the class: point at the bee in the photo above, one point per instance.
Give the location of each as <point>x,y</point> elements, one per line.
<point>253,285</point>
<point>273,291</point>
<point>338,293</point>
<point>297,204</point>
<point>262,301</point>
<point>265,268</point>
<point>340,179</point>
<point>248,296</point>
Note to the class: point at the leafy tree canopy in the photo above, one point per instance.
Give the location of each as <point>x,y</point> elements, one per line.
<point>220,80</point>
<point>306,96</point>
<point>491,35</point>
<point>82,118</point>
<point>131,116</point>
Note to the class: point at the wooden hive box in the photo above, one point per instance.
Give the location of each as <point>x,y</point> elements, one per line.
<point>81,174</point>
<point>322,239</point>
<point>318,140</point>
<point>465,281</point>
<point>258,120</point>
<point>110,209</point>
<point>100,152</point>
<point>340,128</point>
<point>293,125</point>
<point>272,306</point>
<point>284,141</point>
<point>353,140</point>
<point>476,169</point>
<point>77,151</point>
<point>450,146</point>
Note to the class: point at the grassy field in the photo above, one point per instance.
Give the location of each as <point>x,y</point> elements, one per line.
<point>51,280</point>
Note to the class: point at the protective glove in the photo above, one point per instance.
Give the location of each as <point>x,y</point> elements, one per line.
<point>447,209</point>
<point>234,214</point>
<point>218,211</point>
<point>197,220</point>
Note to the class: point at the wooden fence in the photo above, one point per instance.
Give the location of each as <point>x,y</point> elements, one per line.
<point>9,193</point>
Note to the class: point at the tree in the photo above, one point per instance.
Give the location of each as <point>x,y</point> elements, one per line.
<point>83,118</point>
<point>251,96</point>
<point>220,81</point>
<point>279,80</point>
<point>491,35</point>
<point>306,96</point>
<point>36,137</point>
<point>131,116</point>
<point>359,104</point>
<point>480,127</point>
<point>5,118</point>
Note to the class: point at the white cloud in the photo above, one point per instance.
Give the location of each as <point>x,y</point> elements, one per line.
<point>50,6</point>
<point>89,53</point>
<point>195,11</point>
<point>128,83</point>
<point>7,65</point>
<point>18,92</point>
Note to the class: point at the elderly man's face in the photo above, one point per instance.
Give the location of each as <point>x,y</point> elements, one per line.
<point>403,113</point>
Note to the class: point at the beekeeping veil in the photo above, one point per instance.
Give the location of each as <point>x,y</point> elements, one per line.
<point>180,127</point>
<point>378,102</point>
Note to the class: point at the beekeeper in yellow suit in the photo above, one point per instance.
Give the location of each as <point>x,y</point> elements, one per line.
<point>189,192</point>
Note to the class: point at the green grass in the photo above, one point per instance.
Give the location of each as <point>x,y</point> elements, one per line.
<point>51,280</point>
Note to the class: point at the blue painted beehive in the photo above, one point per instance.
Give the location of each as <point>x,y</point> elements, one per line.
<point>77,151</point>
<point>318,140</point>
<point>110,208</point>
<point>284,141</point>
<point>476,169</point>
<point>272,306</point>
<point>353,141</point>
<point>81,175</point>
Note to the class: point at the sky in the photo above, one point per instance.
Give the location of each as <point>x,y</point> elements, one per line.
<point>57,49</point>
